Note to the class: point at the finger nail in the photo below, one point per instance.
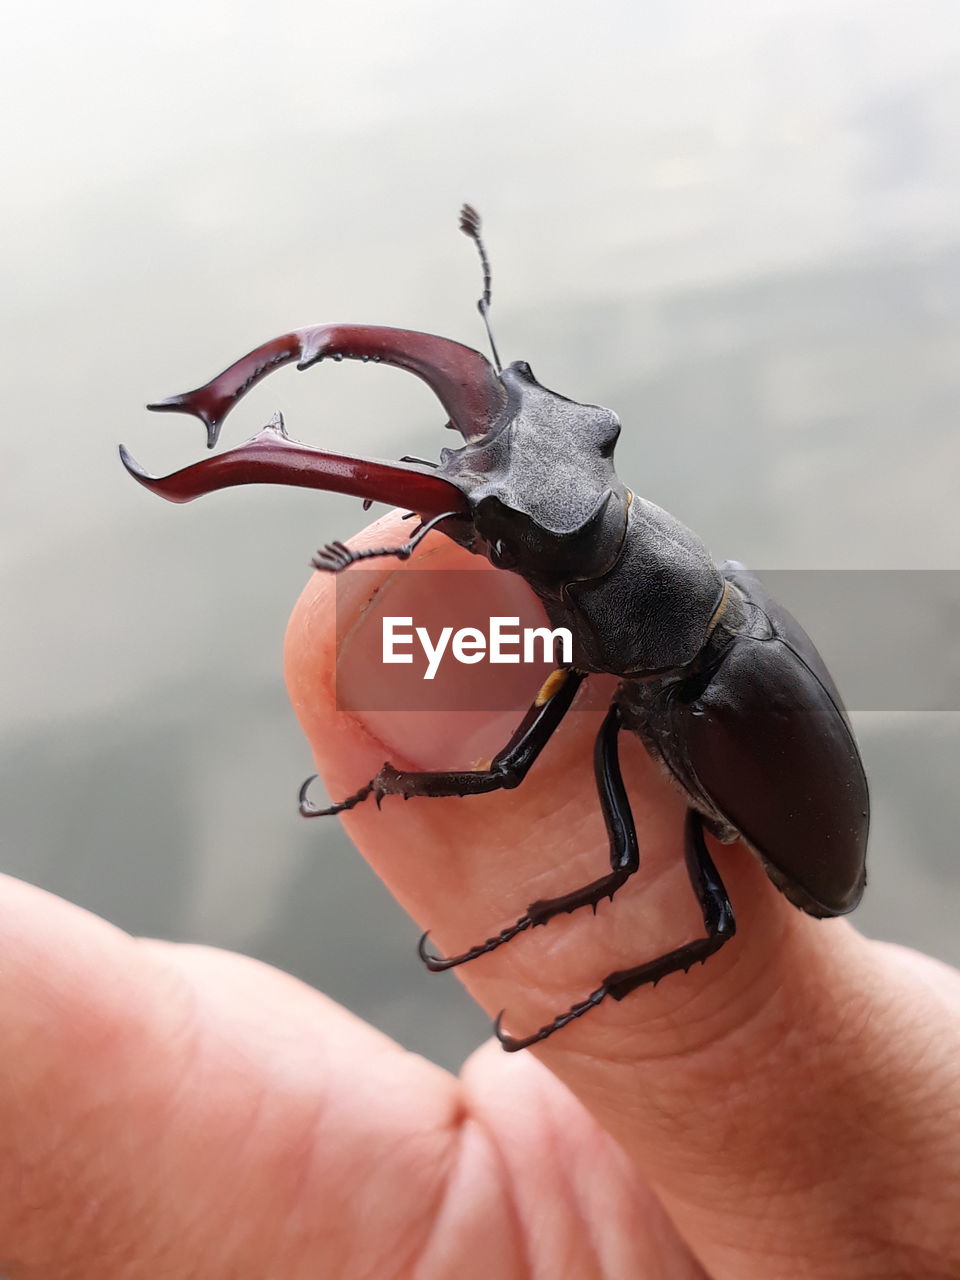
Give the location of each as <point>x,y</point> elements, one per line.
<point>460,712</point>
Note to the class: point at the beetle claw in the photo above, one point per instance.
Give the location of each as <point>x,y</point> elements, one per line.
<point>335,557</point>
<point>304,788</point>
<point>507,1042</point>
<point>310,810</point>
<point>436,964</point>
<point>511,1044</point>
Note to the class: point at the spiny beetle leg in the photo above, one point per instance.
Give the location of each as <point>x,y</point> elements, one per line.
<point>437,964</point>
<point>718,920</point>
<point>624,855</point>
<point>310,810</point>
<point>335,556</point>
<point>507,769</point>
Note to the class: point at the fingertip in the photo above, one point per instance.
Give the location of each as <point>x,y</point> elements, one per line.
<point>343,687</point>
<point>322,614</point>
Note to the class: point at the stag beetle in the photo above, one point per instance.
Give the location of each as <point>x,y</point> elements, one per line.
<point>722,685</point>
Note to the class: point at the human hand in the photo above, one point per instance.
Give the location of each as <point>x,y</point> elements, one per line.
<point>787,1110</point>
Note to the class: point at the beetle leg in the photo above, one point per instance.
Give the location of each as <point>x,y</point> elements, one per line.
<point>507,769</point>
<point>624,854</point>
<point>335,557</point>
<point>718,920</point>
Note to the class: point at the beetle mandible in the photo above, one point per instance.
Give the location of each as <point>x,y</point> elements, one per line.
<point>722,685</point>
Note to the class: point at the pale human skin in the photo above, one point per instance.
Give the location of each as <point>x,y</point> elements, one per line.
<point>791,1109</point>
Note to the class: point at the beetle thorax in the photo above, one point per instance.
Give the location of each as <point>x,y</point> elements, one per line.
<point>544,495</point>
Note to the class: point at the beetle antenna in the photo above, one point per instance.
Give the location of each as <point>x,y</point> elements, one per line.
<point>470,226</point>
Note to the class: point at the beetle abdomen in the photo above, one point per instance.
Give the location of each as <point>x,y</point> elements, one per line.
<point>761,740</point>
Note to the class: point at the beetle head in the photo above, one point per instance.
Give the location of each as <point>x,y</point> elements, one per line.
<point>533,487</point>
<point>543,494</point>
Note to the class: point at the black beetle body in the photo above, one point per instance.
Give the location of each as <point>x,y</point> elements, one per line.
<point>723,686</point>
<point>758,739</point>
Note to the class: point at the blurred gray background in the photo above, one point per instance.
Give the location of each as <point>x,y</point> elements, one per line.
<point>735,223</point>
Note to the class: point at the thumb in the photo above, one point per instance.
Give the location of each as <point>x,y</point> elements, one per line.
<point>796,1060</point>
